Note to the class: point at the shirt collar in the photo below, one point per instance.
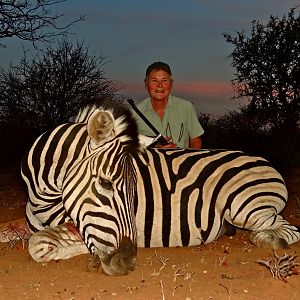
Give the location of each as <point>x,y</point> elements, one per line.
<point>169,104</point>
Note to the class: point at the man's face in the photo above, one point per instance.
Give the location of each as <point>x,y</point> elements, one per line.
<point>159,84</point>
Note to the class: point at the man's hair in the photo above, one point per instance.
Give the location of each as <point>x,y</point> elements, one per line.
<point>158,65</point>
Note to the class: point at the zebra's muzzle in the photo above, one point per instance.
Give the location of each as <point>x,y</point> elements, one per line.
<point>122,261</point>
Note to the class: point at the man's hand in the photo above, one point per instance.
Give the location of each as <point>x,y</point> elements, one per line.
<point>195,143</point>
<point>169,145</point>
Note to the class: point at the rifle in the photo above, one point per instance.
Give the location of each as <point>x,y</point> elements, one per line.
<point>159,138</point>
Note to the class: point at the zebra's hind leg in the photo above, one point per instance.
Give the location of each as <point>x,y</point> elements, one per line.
<point>268,239</point>
<point>279,235</point>
<point>59,242</point>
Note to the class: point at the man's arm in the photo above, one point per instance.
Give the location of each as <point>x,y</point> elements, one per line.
<point>195,142</point>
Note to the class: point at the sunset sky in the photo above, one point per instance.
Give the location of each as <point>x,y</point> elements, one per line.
<point>185,34</point>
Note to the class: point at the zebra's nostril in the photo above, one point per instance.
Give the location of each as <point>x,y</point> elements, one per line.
<point>122,261</point>
<point>122,265</point>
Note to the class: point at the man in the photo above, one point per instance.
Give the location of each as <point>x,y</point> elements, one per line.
<point>173,117</point>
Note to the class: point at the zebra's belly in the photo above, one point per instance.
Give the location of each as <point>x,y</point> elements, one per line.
<point>173,239</point>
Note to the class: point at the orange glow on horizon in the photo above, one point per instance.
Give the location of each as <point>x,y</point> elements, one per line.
<point>188,87</point>
<point>202,87</point>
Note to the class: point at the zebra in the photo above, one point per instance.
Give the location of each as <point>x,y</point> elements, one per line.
<point>82,183</point>
<point>179,197</point>
<point>191,196</point>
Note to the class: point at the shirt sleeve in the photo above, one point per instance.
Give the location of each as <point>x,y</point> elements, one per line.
<point>194,127</point>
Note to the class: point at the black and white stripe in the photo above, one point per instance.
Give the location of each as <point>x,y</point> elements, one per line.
<point>84,173</point>
<point>189,196</point>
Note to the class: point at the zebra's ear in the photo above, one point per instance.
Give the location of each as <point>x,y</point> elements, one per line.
<point>100,126</point>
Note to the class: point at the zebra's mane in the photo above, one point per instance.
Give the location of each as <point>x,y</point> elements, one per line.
<point>124,120</point>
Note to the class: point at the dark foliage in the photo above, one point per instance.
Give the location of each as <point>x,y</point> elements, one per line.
<point>243,130</point>
<point>48,90</point>
<point>267,64</point>
<point>267,69</point>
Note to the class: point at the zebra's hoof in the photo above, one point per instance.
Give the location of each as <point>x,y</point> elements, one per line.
<point>268,239</point>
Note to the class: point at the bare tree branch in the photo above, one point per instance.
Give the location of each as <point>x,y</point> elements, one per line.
<point>32,21</point>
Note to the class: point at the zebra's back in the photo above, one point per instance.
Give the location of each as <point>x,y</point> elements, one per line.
<point>185,196</point>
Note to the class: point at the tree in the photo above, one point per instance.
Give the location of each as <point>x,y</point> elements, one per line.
<point>31,20</point>
<point>267,74</point>
<point>267,70</point>
<point>48,90</point>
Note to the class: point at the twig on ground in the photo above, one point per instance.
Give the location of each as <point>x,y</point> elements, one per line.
<point>23,236</point>
<point>222,261</point>
<point>247,247</point>
<point>163,261</point>
<point>226,288</point>
<point>162,289</point>
<point>175,288</point>
<point>176,274</point>
<point>281,267</point>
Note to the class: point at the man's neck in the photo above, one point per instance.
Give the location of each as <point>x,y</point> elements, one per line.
<point>159,106</point>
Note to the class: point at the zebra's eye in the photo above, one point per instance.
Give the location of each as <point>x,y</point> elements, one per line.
<point>106,184</point>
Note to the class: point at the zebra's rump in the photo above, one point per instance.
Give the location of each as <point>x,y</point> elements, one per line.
<point>184,196</point>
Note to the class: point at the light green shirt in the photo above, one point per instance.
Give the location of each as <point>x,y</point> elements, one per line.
<point>179,122</point>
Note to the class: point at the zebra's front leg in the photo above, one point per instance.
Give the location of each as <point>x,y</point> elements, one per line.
<point>54,243</point>
<point>278,235</point>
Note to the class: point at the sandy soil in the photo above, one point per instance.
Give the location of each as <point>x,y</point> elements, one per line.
<point>225,269</point>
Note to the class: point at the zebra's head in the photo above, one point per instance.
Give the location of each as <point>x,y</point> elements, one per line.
<point>100,191</point>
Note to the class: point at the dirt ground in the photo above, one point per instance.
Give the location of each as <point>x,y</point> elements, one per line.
<point>225,269</point>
